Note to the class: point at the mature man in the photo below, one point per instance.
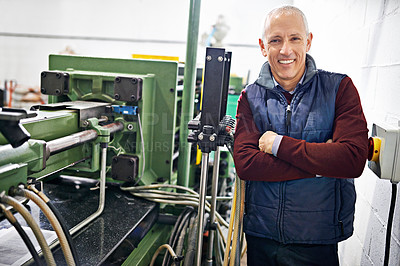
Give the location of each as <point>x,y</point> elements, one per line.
<point>301,138</point>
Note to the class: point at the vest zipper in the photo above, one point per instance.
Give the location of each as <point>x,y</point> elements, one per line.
<point>280,211</point>
<point>288,119</point>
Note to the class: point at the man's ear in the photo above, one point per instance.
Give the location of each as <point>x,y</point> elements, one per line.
<point>309,40</point>
<point>262,47</point>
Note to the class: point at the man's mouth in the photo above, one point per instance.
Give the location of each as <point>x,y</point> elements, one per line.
<point>286,61</point>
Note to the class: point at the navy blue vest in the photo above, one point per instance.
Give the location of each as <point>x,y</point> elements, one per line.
<point>316,210</point>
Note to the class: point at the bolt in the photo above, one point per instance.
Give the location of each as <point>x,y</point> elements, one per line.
<point>208,57</point>
<point>43,74</point>
<point>130,177</point>
<point>131,161</point>
<point>134,80</point>
<point>43,90</point>
<point>212,138</point>
<point>201,136</point>
<point>133,98</point>
<point>115,159</point>
<point>171,90</point>
<point>85,123</point>
<point>129,127</point>
<point>57,91</point>
<point>117,79</point>
<point>220,58</point>
<point>58,75</point>
<point>117,96</point>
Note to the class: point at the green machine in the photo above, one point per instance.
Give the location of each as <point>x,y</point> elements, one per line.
<point>138,97</point>
<point>107,119</point>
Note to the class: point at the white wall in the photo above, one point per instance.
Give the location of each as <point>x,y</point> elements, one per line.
<point>361,38</point>
<point>152,27</point>
<point>356,37</point>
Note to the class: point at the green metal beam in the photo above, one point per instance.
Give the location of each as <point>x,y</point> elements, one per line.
<point>142,255</point>
<point>188,92</point>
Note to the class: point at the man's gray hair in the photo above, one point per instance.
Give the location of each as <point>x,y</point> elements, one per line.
<point>287,10</point>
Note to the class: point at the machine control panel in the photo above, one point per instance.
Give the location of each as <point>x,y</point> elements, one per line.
<point>384,146</point>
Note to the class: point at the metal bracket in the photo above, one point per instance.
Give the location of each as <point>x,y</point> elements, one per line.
<point>54,83</point>
<point>128,89</point>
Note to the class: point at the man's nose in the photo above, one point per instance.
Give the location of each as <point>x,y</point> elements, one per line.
<point>286,48</point>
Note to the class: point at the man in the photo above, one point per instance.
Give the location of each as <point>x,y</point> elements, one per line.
<point>301,138</point>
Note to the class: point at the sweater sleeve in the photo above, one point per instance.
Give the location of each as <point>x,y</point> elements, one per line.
<point>346,156</point>
<point>250,162</point>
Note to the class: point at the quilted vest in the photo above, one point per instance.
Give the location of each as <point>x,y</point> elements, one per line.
<point>316,210</point>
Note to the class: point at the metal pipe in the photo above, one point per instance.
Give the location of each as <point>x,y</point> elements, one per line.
<point>102,197</point>
<point>201,208</point>
<point>67,142</point>
<point>214,188</point>
<point>188,92</point>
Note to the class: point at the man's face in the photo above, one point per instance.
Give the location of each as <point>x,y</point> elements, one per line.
<point>286,44</point>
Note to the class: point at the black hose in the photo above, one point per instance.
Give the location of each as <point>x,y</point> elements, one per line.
<point>389,224</point>
<point>65,230</point>
<point>13,221</point>
<point>60,220</point>
<point>192,241</point>
<point>174,232</point>
<point>182,225</point>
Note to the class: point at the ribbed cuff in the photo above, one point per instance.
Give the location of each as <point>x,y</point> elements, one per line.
<point>275,145</point>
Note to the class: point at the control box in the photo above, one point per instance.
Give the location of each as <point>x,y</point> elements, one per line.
<point>384,146</point>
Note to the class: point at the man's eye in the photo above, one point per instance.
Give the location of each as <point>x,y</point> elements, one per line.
<point>273,41</point>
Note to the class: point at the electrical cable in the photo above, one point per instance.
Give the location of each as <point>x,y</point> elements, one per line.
<point>235,255</point>
<point>60,219</point>
<point>231,221</point>
<point>182,225</point>
<point>178,234</point>
<point>174,230</point>
<point>53,221</point>
<point>168,247</point>
<point>182,236</point>
<point>143,153</point>
<point>192,201</point>
<point>13,221</point>
<point>191,243</point>
<point>33,225</point>
<point>389,225</point>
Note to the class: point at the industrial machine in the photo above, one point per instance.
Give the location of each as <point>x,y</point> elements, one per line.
<point>107,120</point>
<point>102,154</point>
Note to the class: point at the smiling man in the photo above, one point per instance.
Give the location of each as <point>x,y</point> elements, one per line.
<point>301,139</point>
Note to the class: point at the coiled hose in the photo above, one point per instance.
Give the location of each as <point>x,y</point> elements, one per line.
<point>60,219</point>
<point>11,218</point>
<point>33,225</point>
<point>53,221</point>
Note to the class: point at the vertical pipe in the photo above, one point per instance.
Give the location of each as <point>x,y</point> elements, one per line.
<point>202,203</point>
<point>214,190</point>
<point>188,92</point>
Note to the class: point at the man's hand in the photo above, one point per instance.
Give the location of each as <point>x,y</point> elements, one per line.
<point>266,141</point>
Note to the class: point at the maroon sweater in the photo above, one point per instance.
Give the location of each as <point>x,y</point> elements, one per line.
<point>296,159</point>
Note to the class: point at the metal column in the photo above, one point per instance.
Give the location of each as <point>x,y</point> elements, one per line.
<point>188,92</point>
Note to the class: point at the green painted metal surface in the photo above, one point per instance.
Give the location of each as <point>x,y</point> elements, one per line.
<point>142,255</point>
<point>12,175</point>
<point>92,79</point>
<point>49,125</point>
<point>188,92</point>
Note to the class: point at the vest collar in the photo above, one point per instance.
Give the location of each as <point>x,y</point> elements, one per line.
<point>265,78</point>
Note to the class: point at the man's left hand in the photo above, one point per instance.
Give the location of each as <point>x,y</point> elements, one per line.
<point>266,141</point>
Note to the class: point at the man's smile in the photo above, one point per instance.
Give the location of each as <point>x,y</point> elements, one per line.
<point>285,62</point>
